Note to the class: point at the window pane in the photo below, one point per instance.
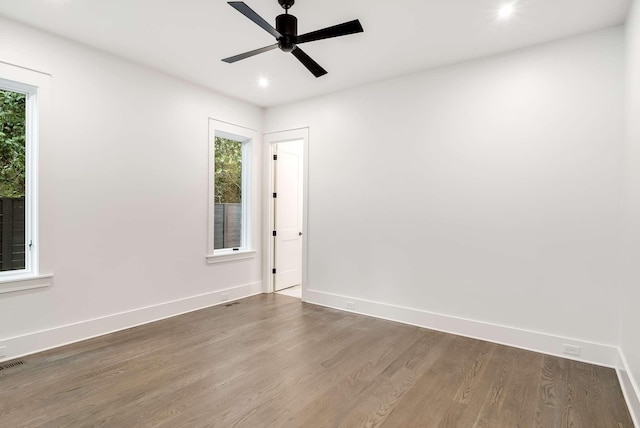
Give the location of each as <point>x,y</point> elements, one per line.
<point>228,194</point>
<point>12,180</point>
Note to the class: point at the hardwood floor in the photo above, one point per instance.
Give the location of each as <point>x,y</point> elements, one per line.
<point>272,361</point>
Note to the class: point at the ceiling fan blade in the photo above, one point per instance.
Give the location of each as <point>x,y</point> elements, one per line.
<point>233,59</point>
<point>252,15</point>
<point>344,29</point>
<point>306,60</point>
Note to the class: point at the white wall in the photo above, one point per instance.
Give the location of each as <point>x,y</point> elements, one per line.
<point>123,191</point>
<point>488,190</point>
<point>630,330</point>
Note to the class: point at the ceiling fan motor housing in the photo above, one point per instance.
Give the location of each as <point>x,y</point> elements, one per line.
<point>287,25</point>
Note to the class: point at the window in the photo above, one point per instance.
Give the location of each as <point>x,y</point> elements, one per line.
<point>228,194</point>
<point>230,199</point>
<point>17,181</point>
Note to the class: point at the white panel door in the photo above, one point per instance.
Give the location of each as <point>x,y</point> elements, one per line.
<point>288,215</point>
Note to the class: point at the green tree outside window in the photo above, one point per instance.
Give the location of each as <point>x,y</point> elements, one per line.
<point>12,144</point>
<point>228,171</point>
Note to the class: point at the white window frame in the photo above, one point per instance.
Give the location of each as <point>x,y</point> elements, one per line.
<point>248,138</point>
<point>31,179</point>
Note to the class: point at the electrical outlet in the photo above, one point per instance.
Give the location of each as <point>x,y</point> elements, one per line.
<point>3,351</point>
<point>224,297</point>
<point>571,350</point>
<point>351,305</point>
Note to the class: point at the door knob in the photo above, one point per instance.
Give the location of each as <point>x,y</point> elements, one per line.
<point>299,233</point>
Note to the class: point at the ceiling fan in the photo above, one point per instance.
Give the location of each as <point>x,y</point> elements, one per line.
<point>286,34</point>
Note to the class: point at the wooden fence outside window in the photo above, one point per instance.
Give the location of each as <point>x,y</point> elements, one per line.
<point>12,234</point>
<point>227,231</point>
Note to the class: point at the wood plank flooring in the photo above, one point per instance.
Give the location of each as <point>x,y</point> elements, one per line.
<point>272,361</point>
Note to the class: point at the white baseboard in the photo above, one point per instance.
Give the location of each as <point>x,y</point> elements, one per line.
<point>19,346</point>
<point>629,389</point>
<point>594,353</point>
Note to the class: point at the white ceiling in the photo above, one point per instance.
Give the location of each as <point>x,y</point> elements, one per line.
<point>188,38</point>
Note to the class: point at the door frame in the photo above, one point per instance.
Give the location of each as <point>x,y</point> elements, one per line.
<point>269,139</point>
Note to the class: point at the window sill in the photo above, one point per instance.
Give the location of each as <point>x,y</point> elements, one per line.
<point>231,256</point>
<point>11,284</point>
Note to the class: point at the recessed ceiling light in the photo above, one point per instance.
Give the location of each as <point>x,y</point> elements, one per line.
<point>506,11</point>
<point>263,82</point>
